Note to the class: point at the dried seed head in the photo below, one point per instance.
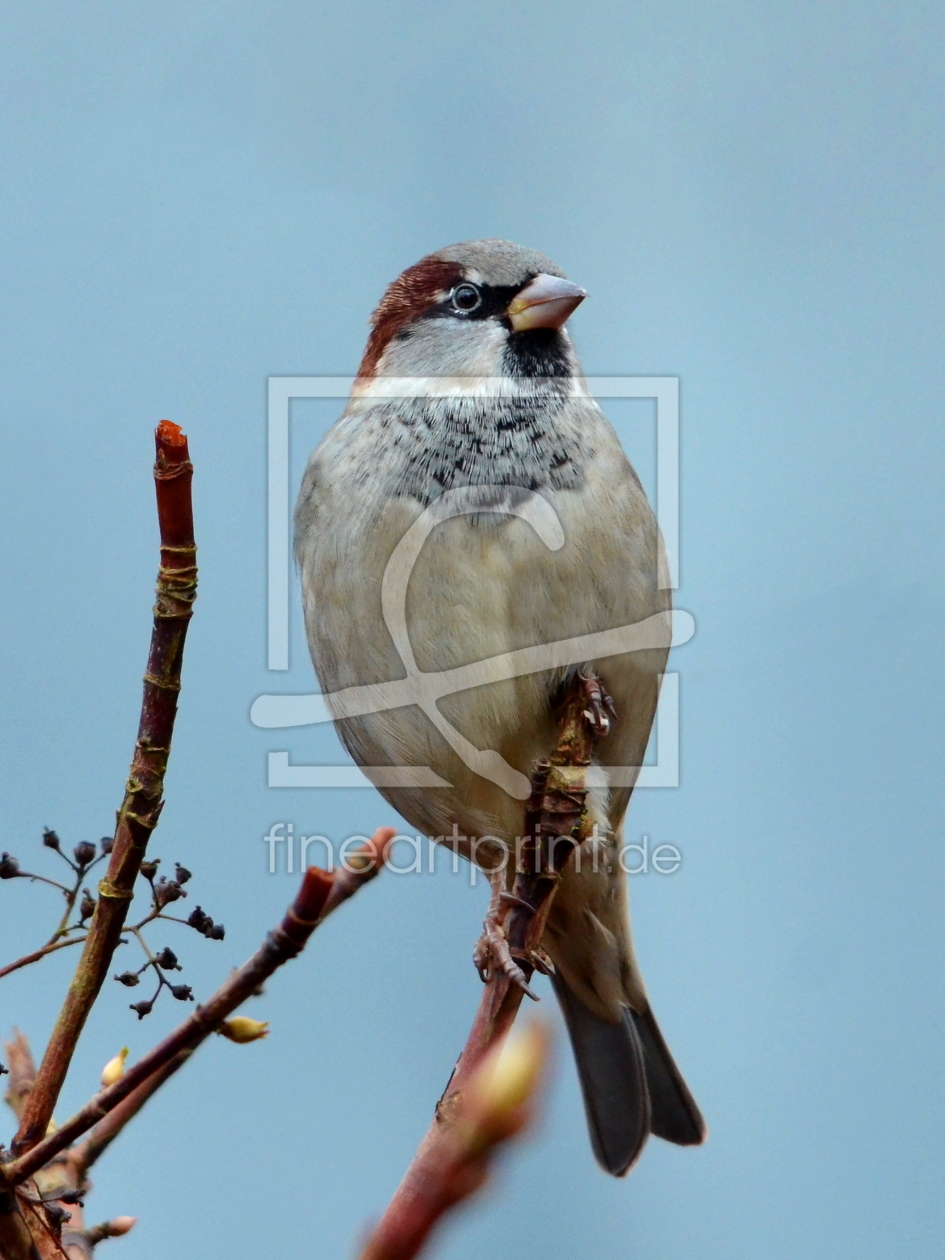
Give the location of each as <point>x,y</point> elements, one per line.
<point>9,866</point>
<point>50,839</point>
<point>166,891</point>
<point>200,921</point>
<point>84,853</point>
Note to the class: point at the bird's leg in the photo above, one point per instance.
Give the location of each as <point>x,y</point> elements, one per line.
<point>491,929</point>
<point>599,706</point>
<point>492,949</point>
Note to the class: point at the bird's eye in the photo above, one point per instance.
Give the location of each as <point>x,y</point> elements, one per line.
<point>466,297</point>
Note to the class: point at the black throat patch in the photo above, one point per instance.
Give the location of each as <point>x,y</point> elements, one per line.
<point>443,443</point>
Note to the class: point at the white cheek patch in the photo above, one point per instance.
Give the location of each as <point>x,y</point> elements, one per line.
<point>446,358</point>
<point>391,388</point>
<point>471,355</point>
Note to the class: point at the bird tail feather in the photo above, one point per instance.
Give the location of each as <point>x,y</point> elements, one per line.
<point>630,1082</point>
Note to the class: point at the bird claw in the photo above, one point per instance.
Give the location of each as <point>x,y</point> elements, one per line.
<point>600,706</point>
<point>541,962</point>
<point>492,951</point>
<point>510,899</point>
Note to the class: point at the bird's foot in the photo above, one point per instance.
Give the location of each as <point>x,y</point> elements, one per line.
<point>537,959</point>
<point>493,953</point>
<point>599,705</point>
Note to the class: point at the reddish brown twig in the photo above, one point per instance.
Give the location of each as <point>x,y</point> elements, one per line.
<point>141,807</point>
<point>496,1106</point>
<point>37,954</point>
<point>360,866</point>
<point>87,1152</point>
<point>555,825</point>
<point>307,911</point>
<point>36,1208</point>
<point>24,1227</point>
<point>109,1229</point>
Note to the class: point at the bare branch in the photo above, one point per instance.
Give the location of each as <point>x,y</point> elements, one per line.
<point>361,866</point>
<point>37,954</point>
<point>28,1231</point>
<point>110,1229</point>
<point>86,1153</point>
<point>497,1105</point>
<point>308,910</point>
<point>141,807</point>
<point>555,823</point>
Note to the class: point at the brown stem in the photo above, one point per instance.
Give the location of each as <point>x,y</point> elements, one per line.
<point>25,1229</point>
<point>86,1153</point>
<point>555,825</point>
<point>37,954</point>
<point>72,895</point>
<point>497,1105</point>
<point>141,807</point>
<point>309,909</point>
<point>109,1229</point>
<point>43,879</point>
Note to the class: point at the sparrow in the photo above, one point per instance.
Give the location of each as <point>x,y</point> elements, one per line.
<point>473,501</point>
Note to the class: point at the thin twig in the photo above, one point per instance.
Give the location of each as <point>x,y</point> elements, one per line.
<point>72,894</point>
<point>16,1239</point>
<point>38,954</point>
<point>63,929</point>
<point>361,866</point>
<point>44,879</point>
<point>86,1153</point>
<point>141,807</point>
<point>496,1106</point>
<point>309,909</point>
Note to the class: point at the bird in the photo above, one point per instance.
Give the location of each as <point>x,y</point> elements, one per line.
<point>473,501</point>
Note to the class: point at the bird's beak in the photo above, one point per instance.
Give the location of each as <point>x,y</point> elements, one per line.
<point>544,303</point>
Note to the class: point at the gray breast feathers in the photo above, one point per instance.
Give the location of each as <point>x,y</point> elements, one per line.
<point>425,448</point>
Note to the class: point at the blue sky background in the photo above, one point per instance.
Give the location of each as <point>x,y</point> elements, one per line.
<point>196,197</point>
